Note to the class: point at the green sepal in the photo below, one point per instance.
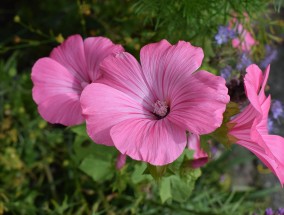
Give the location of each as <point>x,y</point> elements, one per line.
<point>156,172</point>
<point>221,133</point>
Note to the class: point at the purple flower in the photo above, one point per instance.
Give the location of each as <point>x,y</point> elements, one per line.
<point>224,35</point>
<point>277,109</point>
<point>270,55</point>
<point>226,72</point>
<point>269,211</point>
<point>270,125</point>
<point>244,62</point>
<point>280,211</point>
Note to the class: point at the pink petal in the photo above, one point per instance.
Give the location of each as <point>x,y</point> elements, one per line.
<point>200,156</point>
<point>71,55</point>
<point>264,82</point>
<point>253,81</point>
<point>198,103</point>
<point>56,91</point>
<point>164,65</point>
<point>156,142</point>
<point>269,161</point>
<point>124,73</point>
<point>104,107</point>
<point>263,121</point>
<point>96,49</point>
<point>62,108</point>
<point>275,144</point>
<point>260,153</point>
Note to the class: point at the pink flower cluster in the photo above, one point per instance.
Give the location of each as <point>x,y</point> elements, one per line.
<point>152,110</point>
<point>244,40</point>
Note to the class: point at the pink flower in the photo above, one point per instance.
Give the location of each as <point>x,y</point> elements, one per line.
<point>244,39</point>
<point>59,79</point>
<point>145,110</point>
<point>249,128</point>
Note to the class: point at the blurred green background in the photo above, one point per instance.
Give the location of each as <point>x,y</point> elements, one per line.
<point>51,169</point>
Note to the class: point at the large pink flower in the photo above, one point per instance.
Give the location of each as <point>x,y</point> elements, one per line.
<point>249,128</point>
<point>59,79</point>
<point>145,110</point>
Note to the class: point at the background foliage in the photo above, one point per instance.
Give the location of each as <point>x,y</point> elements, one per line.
<point>50,169</point>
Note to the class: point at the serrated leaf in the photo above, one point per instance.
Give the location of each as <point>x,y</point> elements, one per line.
<point>174,168</point>
<point>138,174</point>
<point>183,185</point>
<point>96,168</point>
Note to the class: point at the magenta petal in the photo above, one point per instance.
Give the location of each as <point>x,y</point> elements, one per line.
<point>64,109</point>
<point>96,49</point>
<point>253,81</point>
<point>164,65</point>
<point>71,55</point>
<point>200,157</point>
<point>275,144</point>
<point>57,92</point>
<point>124,73</point>
<point>156,142</point>
<point>104,107</point>
<point>269,161</point>
<point>199,103</point>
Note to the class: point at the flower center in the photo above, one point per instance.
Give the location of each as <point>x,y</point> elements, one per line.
<point>161,109</point>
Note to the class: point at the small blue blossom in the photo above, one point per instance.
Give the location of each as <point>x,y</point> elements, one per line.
<point>224,35</point>
<point>269,211</point>
<point>244,62</point>
<point>270,125</point>
<point>226,72</point>
<point>270,55</point>
<point>277,109</point>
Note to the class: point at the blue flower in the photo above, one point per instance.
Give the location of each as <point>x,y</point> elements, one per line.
<point>277,109</point>
<point>244,61</point>
<point>224,35</point>
<point>270,125</point>
<point>226,72</point>
<point>270,55</point>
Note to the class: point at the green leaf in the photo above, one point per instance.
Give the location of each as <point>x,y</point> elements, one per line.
<point>138,174</point>
<point>79,130</point>
<point>97,168</point>
<point>178,163</point>
<point>84,146</point>
<point>165,189</point>
<point>183,185</point>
